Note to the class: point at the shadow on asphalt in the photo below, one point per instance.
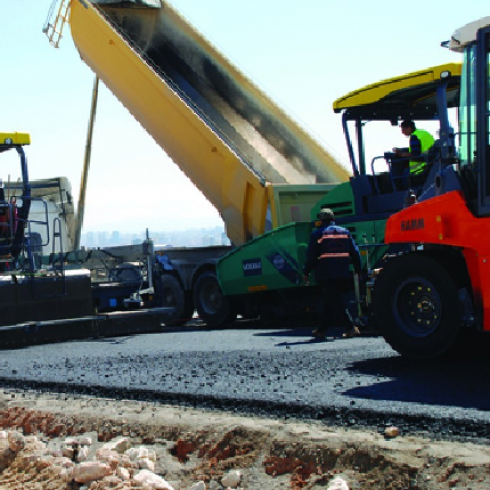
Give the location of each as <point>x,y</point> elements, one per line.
<point>452,382</point>
<point>293,333</point>
<point>333,335</point>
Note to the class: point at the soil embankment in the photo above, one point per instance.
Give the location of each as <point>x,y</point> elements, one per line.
<point>186,446</point>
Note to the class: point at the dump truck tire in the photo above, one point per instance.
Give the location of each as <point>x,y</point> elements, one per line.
<point>173,296</point>
<point>215,309</point>
<point>416,306</point>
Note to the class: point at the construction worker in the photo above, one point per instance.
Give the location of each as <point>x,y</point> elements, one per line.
<point>419,144</point>
<point>330,251</point>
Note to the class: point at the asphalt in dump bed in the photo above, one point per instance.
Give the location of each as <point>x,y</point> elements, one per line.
<point>348,382</point>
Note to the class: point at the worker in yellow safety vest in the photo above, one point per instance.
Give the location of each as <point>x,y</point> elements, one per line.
<point>419,144</point>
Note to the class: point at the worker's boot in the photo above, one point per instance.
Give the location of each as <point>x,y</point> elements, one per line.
<point>353,332</point>
<point>318,334</point>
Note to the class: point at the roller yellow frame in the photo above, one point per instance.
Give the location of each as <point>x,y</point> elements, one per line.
<point>226,135</point>
<point>398,86</point>
<point>15,139</point>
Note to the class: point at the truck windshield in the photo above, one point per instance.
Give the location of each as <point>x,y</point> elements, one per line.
<point>474,117</point>
<point>485,138</point>
<point>467,110</point>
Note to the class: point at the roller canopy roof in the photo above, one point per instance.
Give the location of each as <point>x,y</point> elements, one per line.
<point>130,3</point>
<point>412,95</point>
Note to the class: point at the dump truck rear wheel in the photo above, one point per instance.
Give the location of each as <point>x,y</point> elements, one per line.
<point>173,296</point>
<point>215,309</point>
<point>416,306</point>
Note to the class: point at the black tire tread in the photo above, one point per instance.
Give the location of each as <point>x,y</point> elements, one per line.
<point>408,266</point>
<point>227,312</point>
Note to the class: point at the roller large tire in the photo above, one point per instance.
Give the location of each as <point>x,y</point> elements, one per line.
<point>416,307</point>
<point>173,296</point>
<point>212,307</point>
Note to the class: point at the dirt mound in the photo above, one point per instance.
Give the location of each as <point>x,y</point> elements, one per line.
<point>191,446</point>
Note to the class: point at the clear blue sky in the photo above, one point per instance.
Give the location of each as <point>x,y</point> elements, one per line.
<point>304,54</point>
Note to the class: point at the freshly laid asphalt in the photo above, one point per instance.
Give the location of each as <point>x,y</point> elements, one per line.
<point>279,372</point>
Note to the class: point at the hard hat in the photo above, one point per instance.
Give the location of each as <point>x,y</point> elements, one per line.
<point>325,214</point>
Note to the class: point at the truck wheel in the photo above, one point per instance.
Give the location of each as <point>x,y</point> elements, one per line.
<point>212,307</point>
<point>416,307</point>
<point>173,296</point>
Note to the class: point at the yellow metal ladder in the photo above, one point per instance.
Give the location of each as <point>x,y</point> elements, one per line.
<point>54,30</point>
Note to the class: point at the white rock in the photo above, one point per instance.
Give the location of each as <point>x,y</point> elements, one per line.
<point>104,454</point>
<point>67,474</point>
<point>146,464</point>
<point>67,452</point>
<point>3,434</point>
<point>123,474</point>
<point>200,485</point>
<point>338,484</point>
<point>145,477</point>
<point>132,454</point>
<point>108,456</point>
<point>55,470</point>
<point>16,441</point>
<point>63,462</point>
<point>119,445</point>
<point>34,444</point>
<point>392,432</point>
<point>85,441</point>
<point>31,457</point>
<point>91,471</point>
<point>125,462</point>
<point>152,455</point>
<point>78,441</point>
<point>136,454</point>
<point>231,479</point>
<point>56,452</point>
<point>82,454</point>
<point>111,481</point>
<point>214,485</point>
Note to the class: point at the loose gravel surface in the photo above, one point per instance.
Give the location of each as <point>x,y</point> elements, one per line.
<point>269,372</point>
<point>281,401</point>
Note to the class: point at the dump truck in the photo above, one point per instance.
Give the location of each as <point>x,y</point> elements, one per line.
<point>256,165</point>
<point>263,173</point>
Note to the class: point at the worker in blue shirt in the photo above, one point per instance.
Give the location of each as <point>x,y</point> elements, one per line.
<point>330,252</point>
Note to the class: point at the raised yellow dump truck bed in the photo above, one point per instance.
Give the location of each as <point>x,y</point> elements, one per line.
<point>227,136</point>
